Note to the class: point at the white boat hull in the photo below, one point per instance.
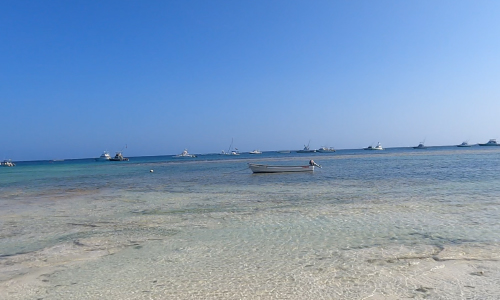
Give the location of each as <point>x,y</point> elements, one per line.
<point>325,150</point>
<point>7,163</point>
<point>103,158</point>
<point>256,168</point>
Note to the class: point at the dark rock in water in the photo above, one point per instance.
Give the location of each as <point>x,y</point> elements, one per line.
<point>423,289</point>
<point>77,242</point>
<point>478,273</point>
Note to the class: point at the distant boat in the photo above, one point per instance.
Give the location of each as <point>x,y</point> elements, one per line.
<point>378,147</point>
<point>283,151</point>
<point>7,163</point>
<point>255,152</point>
<point>118,157</point>
<point>234,152</point>
<point>464,144</point>
<point>324,149</point>
<point>420,146</point>
<point>185,154</point>
<point>492,142</point>
<point>104,156</point>
<point>230,151</point>
<point>257,168</point>
<point>306,149</point>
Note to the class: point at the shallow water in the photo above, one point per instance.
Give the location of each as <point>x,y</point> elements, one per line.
<point>394,224</point>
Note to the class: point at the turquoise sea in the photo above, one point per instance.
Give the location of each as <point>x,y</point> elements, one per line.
<point>394,224</point>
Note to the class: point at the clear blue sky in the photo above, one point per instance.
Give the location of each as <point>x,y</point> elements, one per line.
<point>79,77</point>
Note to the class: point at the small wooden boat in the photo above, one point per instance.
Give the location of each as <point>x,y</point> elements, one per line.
<point>256,168</point>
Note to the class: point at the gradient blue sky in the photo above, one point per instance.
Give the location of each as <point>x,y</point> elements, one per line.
<point>80,77</point>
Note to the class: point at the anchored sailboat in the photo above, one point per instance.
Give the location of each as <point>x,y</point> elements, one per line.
<point>230,151</point>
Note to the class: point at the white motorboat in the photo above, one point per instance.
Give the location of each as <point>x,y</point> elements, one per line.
<point>118,157</point>
<point>7,163</point>
<point>257,168</point>
<point>464,144</point>
<point>104,156</point>
<point>378,147</point>
<point>420,146</point>
<point>185,154</point>
<point>326,149</point>
<point>492,142</point>
<point>255,152</point>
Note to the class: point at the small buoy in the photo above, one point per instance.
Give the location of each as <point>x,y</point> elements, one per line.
<point>150,171</point>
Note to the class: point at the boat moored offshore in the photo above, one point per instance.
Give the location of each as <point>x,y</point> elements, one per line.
<point>230,151</point>
<point>104,156</point>
<point>492,142</point>
<point>306,150</point>
<point>185,153</point>
<point>378,147</point>
<point>420,146</point>
<point>7,163</point>
<point>118,157</point>
<point>464,144</point>
<point>324,149</point>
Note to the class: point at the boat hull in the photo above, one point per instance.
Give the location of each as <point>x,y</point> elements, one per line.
<point>325,150</point>
<point>103,158</point>
<point>7,163</point>
<point>490,145</point>
<point>256,168</point>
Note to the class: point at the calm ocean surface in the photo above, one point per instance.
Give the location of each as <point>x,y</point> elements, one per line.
<point>393,224</point>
